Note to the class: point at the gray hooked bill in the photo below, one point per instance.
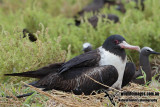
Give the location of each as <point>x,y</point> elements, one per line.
<point>125,45</point>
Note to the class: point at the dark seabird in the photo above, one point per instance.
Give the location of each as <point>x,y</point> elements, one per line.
<point>94,19</point>
<point>119,4</point>
<point>31,36</point>
<point>87,47</point>
<point>145,65</point>
<point>105,64</point>
<point>129,69</point>
<point>94,7</point>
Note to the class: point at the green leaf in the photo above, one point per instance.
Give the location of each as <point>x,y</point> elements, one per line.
<point>140,77</point>
<point>29,98</point>
<point>146,84</point>
<point>144,74</point>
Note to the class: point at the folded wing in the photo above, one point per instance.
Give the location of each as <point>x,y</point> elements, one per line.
<point>77,81</point>
<point>40,73</point>
<point>88,59</point>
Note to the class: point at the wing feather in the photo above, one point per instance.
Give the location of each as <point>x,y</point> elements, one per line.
<point>40,73</point>
<point>77,82</point>
<point>84,60</point>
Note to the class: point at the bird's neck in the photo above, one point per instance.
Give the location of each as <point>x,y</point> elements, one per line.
<point>144,63</point>
<point>118,52</point>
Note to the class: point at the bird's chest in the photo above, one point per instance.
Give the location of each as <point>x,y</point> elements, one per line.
<point>108,58</point>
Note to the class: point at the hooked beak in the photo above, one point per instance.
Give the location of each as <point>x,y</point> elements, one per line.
<point>157,53</point>
<point>125,45</point>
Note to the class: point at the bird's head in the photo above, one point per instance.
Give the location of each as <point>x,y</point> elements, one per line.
<point>148,51</point>
<point>116,44</point>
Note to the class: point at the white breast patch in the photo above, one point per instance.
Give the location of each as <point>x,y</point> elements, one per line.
<point>108,58</point>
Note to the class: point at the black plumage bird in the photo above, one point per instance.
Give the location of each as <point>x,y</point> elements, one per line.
<point>94,19</point>
<point>94,7</point>
<point>119,4</point>
<point>145,65</point>
<point>30,35</point>
<point>106,65</point>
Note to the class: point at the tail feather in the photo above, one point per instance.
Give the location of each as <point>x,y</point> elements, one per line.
<point>31,74</point>
<point>40,73</point>
<point>21,96</point>
<point>24,95</point>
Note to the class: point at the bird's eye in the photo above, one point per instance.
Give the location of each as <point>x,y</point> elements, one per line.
<point>116,42</point>
<point>148,50</point>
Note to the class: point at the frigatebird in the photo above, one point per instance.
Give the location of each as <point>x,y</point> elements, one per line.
<point>129,69</point>
<point>144,65</point>
<point>94,19</point>
<point>94,7</point>
<point>105,64</point>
